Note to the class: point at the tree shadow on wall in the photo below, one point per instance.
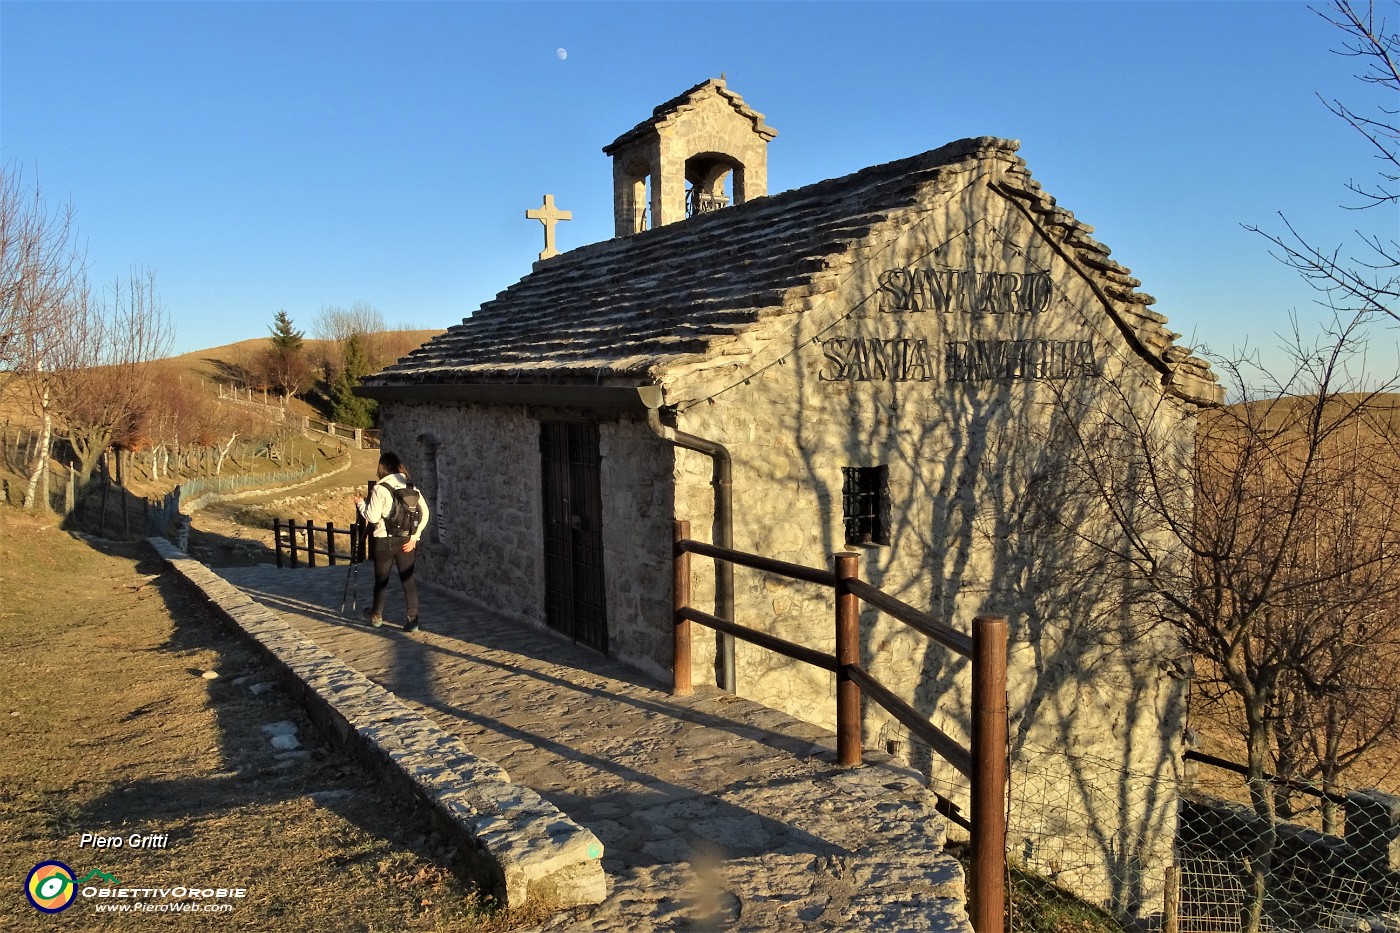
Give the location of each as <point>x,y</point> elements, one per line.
<point>1011,522</point>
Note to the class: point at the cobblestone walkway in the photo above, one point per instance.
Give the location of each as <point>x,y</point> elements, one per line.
<point>716,813</point>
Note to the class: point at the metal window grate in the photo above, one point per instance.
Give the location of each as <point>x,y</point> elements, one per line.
<point>865,498</point>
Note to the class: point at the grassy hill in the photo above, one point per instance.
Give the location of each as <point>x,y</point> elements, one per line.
<point>228,362</point>
<point>209,361</point>
<point>264,444</point>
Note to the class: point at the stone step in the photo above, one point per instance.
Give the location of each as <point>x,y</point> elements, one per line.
<point>777,894</point>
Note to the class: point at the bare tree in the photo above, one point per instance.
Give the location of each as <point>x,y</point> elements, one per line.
<point>44,350</point>
<point>1366,282</point>
<point>103,372</point>
<point>337,325</point>
<point>40,280</point>
<point>40,266</point>
<point>181,417</point>
<point>1272,544</point>
<point>288,371</point>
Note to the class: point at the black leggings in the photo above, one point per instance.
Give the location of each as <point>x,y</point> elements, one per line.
<point>388,552</point>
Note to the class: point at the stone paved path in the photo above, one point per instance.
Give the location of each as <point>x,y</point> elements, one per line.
<point>716,813</point>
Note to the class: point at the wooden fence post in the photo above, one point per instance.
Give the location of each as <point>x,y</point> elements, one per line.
<point>1171,901</point>
<point>681,685</point>
<point>847,652</point>
<point>330,543</point>
<point>277,540</point>
<point>988,900</point>
<point>310,543</point>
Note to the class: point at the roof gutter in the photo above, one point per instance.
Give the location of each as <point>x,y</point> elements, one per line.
<point>722,533</point>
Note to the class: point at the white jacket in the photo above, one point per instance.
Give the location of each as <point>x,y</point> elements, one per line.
<point>381,502</point>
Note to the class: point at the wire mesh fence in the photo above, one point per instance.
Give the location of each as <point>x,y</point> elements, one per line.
<point>1329,861</point>
<point>1091,827</point>
<point>206,484</point>
<point>1179,847</point>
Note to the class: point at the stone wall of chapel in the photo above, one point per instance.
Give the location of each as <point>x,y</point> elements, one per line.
<point>974,467</point>
<point>489,545</point>
<point>637,514</point>
<point>490,525</point>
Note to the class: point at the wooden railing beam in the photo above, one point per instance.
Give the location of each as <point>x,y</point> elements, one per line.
<point>767,564</point>
<point>821,659</point>
<point>947,748</point>
<point>922,622</point>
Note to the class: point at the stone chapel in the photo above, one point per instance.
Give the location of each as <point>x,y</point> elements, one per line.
<point>880,359</point>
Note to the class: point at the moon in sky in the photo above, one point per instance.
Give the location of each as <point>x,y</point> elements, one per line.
<point>562,53</point>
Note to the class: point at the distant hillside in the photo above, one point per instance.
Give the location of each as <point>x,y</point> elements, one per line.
<point>1382,410</point>
<point>222,364</point>
<point>226,363</point>
<point>207,362</point>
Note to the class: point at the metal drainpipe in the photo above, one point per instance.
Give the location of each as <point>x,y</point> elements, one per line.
<point>723,533</point>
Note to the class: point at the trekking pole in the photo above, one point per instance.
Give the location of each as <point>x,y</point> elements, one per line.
<point>351,593</point>
<point>352,573</point>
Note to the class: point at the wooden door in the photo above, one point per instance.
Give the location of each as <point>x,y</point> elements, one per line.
<point>575,602</point>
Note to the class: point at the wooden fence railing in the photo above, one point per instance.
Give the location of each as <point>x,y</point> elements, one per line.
<point>984,764</point>
<point>286,533</point>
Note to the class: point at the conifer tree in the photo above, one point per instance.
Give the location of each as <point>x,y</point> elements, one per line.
<point>347,408</point>
<point>284,336</point>
<point>284,365</point>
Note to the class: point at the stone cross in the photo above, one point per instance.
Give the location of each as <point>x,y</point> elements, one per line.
<point>549,215</point>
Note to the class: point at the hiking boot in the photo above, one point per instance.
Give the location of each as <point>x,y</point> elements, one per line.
<point>411,625</point>
<point>373,619</point>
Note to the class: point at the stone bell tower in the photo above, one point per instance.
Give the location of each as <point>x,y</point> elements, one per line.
<point>677,163</point>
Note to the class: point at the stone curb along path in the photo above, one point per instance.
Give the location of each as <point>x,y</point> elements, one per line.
<point>523,845</point>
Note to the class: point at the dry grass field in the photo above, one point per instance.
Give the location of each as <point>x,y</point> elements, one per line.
<point>1346,512</point>
<point>127,707</point>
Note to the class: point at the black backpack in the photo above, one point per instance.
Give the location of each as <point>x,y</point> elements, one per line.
<point>406,512</point>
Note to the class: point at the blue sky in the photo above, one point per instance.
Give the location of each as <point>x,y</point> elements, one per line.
<point>266,156</point>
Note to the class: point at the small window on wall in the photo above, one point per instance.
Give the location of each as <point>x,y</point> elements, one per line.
<point>865,497</point>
